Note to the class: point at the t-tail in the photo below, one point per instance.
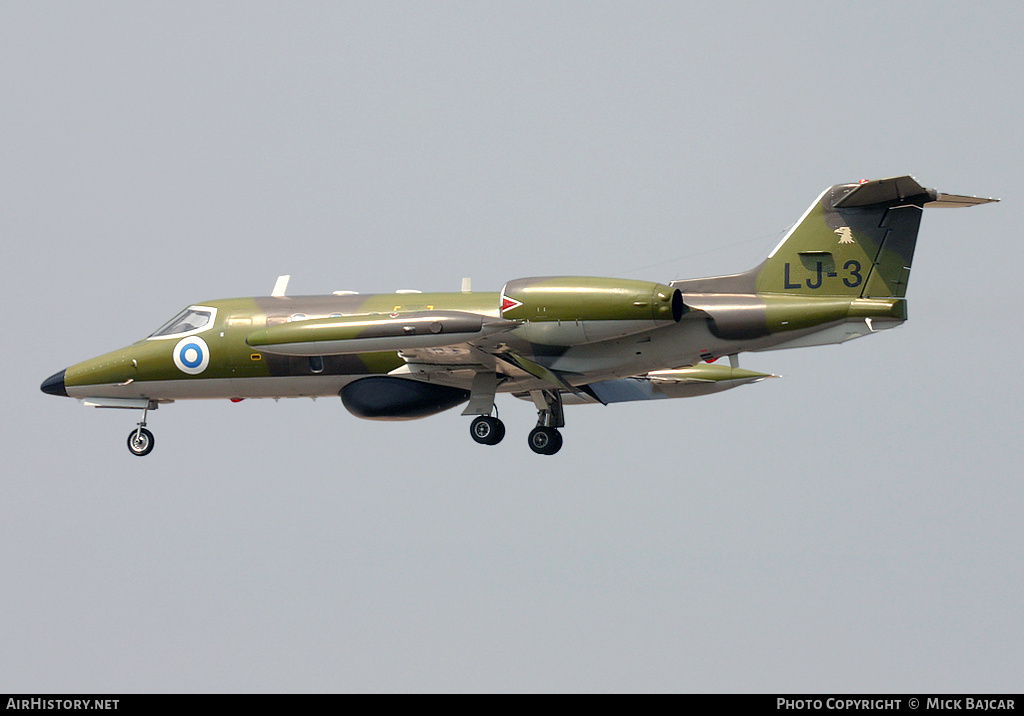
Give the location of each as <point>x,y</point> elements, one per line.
<point>855,240</point>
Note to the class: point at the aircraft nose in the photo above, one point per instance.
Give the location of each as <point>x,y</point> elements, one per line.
<point>54,385</point>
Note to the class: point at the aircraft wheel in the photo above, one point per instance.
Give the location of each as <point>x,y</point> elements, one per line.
<point>487,430</point>
<point>545,441</point>
<point>140,442</point>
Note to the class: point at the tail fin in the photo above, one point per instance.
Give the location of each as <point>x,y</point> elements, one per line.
<point>855,240</point>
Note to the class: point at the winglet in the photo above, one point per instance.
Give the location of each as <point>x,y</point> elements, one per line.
<point>281,286</point>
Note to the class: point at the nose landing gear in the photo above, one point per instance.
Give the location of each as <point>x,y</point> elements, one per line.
<point>140,440</point>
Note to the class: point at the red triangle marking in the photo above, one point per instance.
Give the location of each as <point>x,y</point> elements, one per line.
<point>507,303</point>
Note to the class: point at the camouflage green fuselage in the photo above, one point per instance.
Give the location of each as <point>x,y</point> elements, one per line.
<point>235,369</point>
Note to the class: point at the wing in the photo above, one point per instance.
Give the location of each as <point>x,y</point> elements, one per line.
<point>447,347</point>
<point>533,320</point>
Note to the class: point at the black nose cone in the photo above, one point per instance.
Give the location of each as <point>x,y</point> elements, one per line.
<point>54,385</point>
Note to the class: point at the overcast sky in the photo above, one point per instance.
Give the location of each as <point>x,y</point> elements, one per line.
<point>855,526</point>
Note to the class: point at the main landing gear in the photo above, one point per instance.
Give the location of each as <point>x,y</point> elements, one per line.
<point>487,430</point>
<point>543,440</point>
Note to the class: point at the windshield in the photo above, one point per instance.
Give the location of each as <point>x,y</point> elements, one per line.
<point>191,319</point>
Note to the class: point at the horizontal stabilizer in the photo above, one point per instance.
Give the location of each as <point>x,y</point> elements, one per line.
<point>883,191</point>
<point>880,191</point>
<point>952,201</point>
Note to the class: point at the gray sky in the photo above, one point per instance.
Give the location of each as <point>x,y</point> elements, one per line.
<point>853,527</point>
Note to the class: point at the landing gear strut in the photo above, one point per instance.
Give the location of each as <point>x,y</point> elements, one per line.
<point>485,429</point>
<point>140,440</point>
<point>545,438</point>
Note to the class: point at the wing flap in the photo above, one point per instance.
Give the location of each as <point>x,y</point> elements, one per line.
<point>540,372</point>
<point>701,379</point>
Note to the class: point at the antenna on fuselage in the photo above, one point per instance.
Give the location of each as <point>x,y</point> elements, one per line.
<point>280,286</point>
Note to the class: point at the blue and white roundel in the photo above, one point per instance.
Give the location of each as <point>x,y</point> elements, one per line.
<point>192,355</point>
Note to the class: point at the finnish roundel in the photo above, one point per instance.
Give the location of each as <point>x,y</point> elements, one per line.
<point>191,355</point>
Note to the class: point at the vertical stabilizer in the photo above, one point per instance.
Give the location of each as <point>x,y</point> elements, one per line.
<point>856,240</point>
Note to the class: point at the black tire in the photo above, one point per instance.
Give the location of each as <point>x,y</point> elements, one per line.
<point>487,430</point>
<point>140,442</point>
<point>545,441</point>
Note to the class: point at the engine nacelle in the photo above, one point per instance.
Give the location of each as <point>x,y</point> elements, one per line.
<point>573,310</point>
<point>387,398</point>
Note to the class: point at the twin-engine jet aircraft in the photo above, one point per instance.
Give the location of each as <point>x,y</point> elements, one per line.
<point>839,273</point>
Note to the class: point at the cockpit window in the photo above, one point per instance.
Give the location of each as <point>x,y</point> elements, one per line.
<point>192,319</point>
